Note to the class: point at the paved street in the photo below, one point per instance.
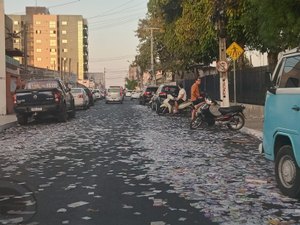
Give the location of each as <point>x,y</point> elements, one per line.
<point>121,164</point>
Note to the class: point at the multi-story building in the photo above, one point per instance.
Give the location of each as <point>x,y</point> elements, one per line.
<point>54,42</point>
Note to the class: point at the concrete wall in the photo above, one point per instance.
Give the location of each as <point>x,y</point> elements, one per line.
<point>254,111</point>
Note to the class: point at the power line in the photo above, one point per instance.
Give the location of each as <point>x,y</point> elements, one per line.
<point>111,10</point>
<point>59,5</point>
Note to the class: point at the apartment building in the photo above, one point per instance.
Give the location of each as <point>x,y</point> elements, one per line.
<point>54,42</point>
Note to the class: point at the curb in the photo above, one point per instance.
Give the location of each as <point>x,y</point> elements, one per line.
<point>252,132</point>
<point>8,125</point>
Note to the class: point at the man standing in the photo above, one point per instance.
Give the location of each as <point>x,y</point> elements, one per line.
<point>195,96</point>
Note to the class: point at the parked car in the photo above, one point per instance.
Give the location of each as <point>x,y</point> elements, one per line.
<point>80,97</point>
<point>147,94</point>
<point>114,94</point>
<point>135,95</point>
<point>97,93</point>
<point>89,93</point>
<point>42,97</point>
<point>128,93</point>
<point>162,92</point>
<point>93,94</point>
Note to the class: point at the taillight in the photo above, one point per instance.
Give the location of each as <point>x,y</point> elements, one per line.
<point>15,99</point>
<point>162,94</point>
<point>80,96</point>
<point>57,96</point>
<point>147,93</point>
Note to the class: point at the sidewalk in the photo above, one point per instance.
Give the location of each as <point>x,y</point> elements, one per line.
<point>7,121</point>
<point>253,126</point>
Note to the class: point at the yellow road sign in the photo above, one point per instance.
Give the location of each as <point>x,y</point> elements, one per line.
<point>234,51</point>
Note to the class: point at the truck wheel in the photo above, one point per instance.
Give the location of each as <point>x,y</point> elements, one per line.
<point>287,172</point>
<point>22,119</point>
<point>63,115</point>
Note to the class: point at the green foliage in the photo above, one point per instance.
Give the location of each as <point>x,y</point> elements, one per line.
<point>131,84</point>
<point>188,33</point>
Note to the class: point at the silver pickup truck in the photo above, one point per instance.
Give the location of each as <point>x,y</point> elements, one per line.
<point>44,97</point>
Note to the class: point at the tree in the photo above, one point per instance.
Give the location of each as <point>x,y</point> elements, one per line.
<point>131,84</point>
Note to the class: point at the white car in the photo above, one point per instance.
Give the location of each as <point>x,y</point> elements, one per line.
<point>128,93</point>
<point>96,92</point>
<point>114,94</point>
<point>81,98</point>
<point>135,95</point>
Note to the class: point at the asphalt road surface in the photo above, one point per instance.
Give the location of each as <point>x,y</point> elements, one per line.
<point>121,164</point>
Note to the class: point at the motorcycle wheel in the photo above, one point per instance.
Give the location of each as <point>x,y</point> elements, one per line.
<point>236,122</point>
<point>162,110</point>
<point>195,123</point>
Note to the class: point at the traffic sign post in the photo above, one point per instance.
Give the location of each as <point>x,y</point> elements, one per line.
<point>234,51</point>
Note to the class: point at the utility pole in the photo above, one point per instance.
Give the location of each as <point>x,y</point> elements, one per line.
<point>25,47</point>
<point>2,61</point>
<point>220,25</point>
<point>152,57</point>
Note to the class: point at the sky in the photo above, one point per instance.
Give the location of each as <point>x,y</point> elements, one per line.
<point>112,26</point>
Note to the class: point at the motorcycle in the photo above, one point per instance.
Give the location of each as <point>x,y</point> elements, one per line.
<point>168,106</point>
<point>233,116</point>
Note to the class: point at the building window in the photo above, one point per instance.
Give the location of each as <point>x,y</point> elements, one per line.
<point>38,31</point>
<point>38,41</point>
<point>52,24</point>
<point>64,41</point>
<point>39,59</point>
<point>64,23</point>
<point>37,22</point>
<point>16,22</point>
<point>64,50</point>
<point>52,42</point>
<point>52,33</point>
<point>38,50</point>
<point>64,32</point>
<point>16,40</point>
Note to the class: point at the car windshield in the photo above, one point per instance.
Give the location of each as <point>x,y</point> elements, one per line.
<point>151,89</point>
<point>113,90</point>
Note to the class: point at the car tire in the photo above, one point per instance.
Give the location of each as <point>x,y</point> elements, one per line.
<point>287,172</point>
<point>22,119</point>
<point>73,111</point>
<point>63,115</point>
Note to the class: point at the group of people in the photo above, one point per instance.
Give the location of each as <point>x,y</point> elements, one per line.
<point>196,97</point>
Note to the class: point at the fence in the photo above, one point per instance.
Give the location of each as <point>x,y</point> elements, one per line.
<point>251,85</point>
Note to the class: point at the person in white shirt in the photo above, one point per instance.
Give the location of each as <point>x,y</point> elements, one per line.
<point>180,98</point>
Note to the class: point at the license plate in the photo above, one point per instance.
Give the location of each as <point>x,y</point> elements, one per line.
<point>36,109</point>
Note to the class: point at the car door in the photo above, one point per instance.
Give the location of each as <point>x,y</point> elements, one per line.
<point>282,108</point>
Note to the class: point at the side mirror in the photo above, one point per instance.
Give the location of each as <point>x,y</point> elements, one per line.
<point>269,82</point>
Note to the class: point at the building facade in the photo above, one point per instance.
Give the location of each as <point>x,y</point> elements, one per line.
<point>54,42</point>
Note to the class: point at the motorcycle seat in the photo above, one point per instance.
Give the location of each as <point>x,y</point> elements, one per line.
<point>231,109</point>
<point>185,104</point>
